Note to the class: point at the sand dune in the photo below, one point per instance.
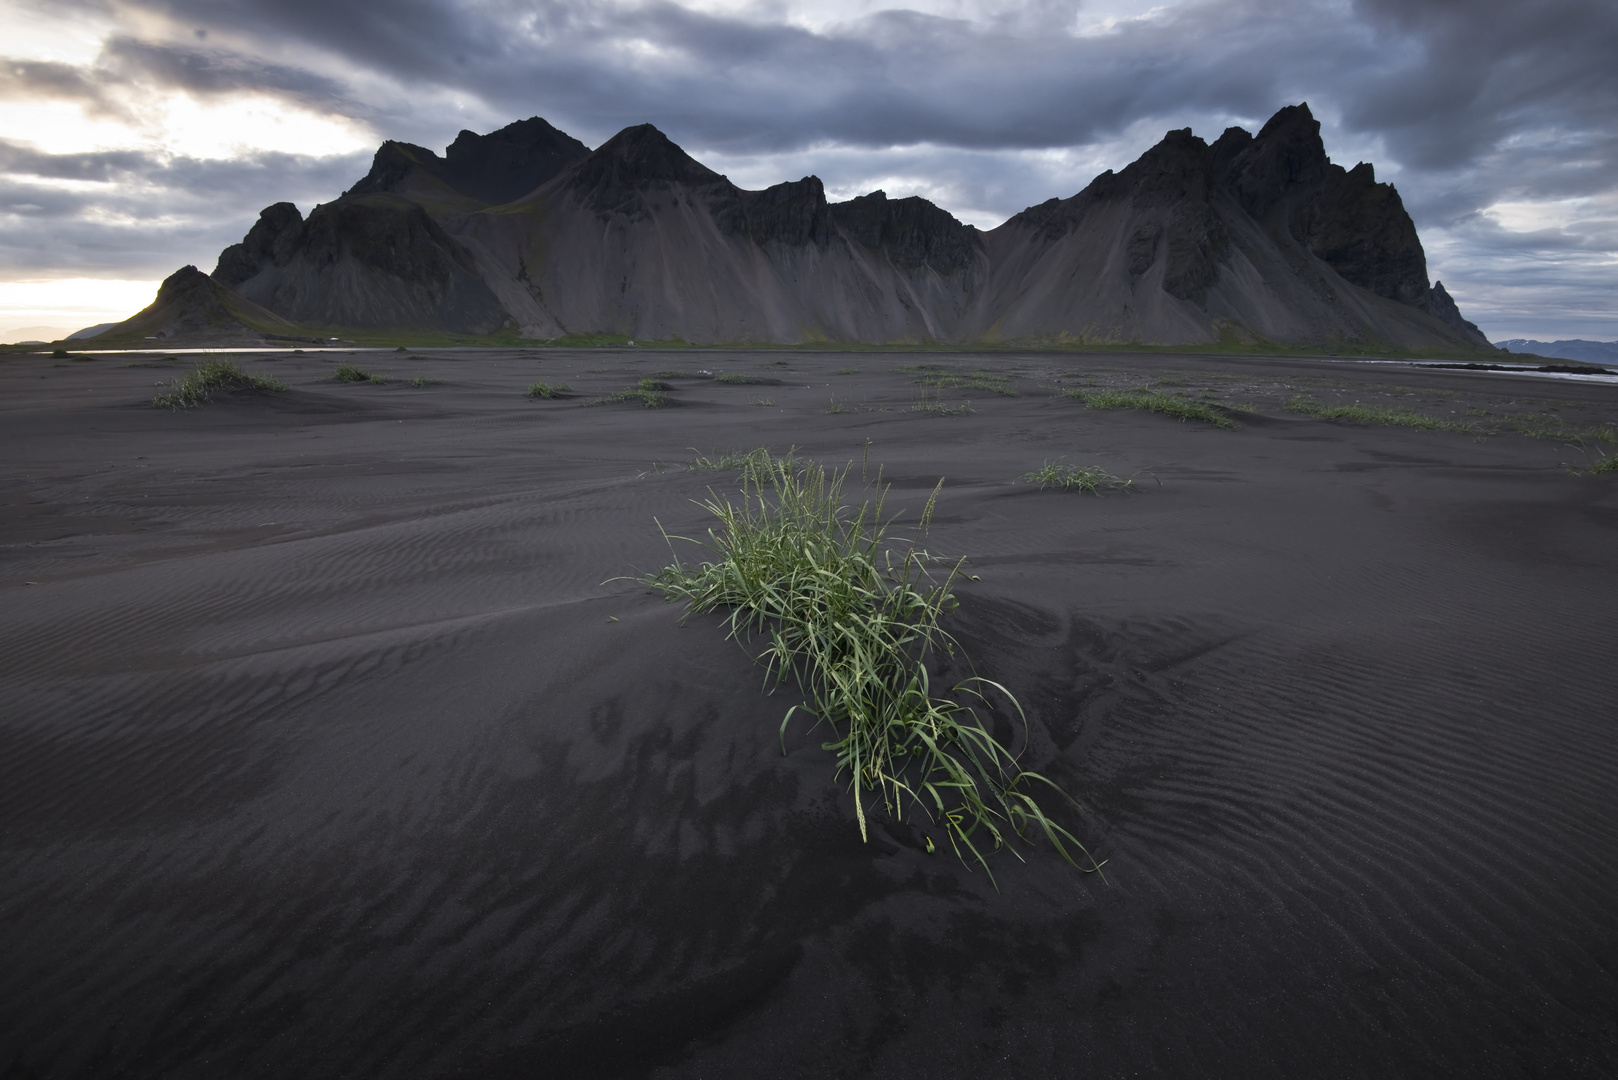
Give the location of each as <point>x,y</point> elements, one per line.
<point>331,749</point>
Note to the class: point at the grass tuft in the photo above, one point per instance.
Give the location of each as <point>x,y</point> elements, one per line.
<point>651,398</point>
<point>852,615</point>
<point>421,382</point>
<point>1384,416</point>
<point>1092,479</point>
<point>935,405</point>
<point>351,373</point>
<point>732,379</point>
<point>989,381</point>
<point>198,386</point>
<point>546,390</point>
<point>1153,401</point>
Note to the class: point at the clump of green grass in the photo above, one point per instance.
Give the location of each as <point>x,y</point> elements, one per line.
<point>752,464</point>
<point>651,398</point>
<point>852,615</point>
<point>990,381</point>
<point>546,390</point>
<point>1092,479</point>
<point>670,374</point>
<point>1153,401</point>
<point>351,373</point>
<point>935,405</point>
<point>198,386</point>
<point>651,384</point>
<point>421,381</point>
<point>732,379</point>
<point>379,380</point>
<point>1386,416</point>
<point>762,401</point>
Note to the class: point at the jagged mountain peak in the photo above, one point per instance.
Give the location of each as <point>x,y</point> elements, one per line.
<point>496,168</point>
<point>615,177</point>
<point>1287,154</point>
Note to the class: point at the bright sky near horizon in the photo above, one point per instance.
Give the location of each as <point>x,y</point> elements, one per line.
<point>140,135</point>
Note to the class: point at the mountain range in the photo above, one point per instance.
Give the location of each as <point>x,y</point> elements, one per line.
<point>1591,352</point>
<point>528,233</point>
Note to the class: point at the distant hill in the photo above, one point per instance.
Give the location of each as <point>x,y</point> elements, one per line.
<point>527,232</point>
<point>1591,352</point>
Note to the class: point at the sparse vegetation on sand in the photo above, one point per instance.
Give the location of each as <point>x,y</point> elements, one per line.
<point>1088,478</point>
<point>934,404</point>
<point>1154,401</point>
<point>1385,416</point>
<point>649,392</point>
<point>198,386</point>
<point>546,390</point>
<point>989,381</point>
<point>732,379</point>
<point>421,382</point>
<point>852,614</point>
<point>351,373</point>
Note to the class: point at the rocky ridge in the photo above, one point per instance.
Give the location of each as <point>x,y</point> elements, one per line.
<point>526,231</point>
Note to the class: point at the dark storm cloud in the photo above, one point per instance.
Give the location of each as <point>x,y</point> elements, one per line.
<point>135,214</point>
<point>1464,103</point>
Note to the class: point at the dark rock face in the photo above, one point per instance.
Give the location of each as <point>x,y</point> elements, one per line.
<point>1346,219</point>
<point>507,164</point>
<point>393,164</point>
<point>1282,179</point>
<point>273,240</point>
<point>794,213</point>
<point>913,232</point>
<point>1442,307</point>
<point>632,164</point>
<point>494,168</point>
<point>1169,195</point>
<point>369,261</point>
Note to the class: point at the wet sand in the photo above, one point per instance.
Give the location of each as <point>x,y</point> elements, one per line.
<point>329,749</point>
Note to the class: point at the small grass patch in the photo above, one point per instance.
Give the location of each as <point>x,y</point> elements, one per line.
<point>421,382</point>
<point>1092,479</point>
<point>752,464</point>
<point>669,375</point>
<point>546,390</point>
<point>762,401</point>
<point>936,407</point>
<point>1379,415</point>
<point>835,409</point>
<point>851,613</point>
<point>988,381</point>
<point>198,386</point>
<point>351,373</point>
<point>379,380</point>
<point>732,379</point>
<point>651,398</point>
<point>59,354</point>
<point>1154,401</point>
<point>848,371</point>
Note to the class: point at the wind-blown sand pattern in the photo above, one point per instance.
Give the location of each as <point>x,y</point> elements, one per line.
<point>326,751</point>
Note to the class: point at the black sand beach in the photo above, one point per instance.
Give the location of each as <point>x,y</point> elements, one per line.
<point>329,749</point>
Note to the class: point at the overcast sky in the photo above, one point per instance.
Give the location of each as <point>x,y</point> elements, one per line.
<point>140,135</point>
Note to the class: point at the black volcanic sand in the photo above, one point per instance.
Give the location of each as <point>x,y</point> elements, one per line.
<point>329,749</point>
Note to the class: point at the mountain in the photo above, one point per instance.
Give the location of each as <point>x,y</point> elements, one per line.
<point>194,308</point>
<point>528,232</point>
<point>1591,352</point>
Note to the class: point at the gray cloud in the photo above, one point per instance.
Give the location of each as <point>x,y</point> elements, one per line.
<point>1463,105</point>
